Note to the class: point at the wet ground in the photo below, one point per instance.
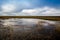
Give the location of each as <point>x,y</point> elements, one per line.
<point>29,29</point>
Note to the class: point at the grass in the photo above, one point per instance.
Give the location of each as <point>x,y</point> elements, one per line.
<point>54,18</point>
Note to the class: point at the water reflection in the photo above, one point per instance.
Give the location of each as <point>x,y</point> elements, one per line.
<point>27,23</point>
<point>36,28</point>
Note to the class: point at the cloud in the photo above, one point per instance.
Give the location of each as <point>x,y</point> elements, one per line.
<point>11,8</point>
<point>8,8</point>
<point>44,11</point>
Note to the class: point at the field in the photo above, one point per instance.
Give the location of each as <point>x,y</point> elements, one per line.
<point>54,18</point>
<point>29,28</point>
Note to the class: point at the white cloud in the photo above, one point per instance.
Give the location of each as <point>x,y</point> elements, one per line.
<point>44,11</point>
<point>8,8</point>
<point>29,12</point>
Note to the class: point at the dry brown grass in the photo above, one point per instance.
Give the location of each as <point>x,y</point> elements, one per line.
<point>54,18</point>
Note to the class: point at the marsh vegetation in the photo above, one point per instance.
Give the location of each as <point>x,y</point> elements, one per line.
<point>29,29</point>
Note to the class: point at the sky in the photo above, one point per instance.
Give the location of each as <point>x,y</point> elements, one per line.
<point>29,7</point>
